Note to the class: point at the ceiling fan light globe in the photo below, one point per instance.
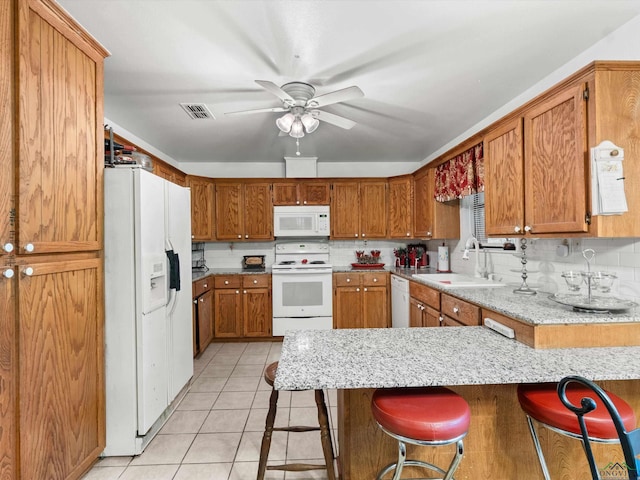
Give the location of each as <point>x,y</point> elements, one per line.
<point>310,123</point>
<point>285,122</point>
<point>297,129</point>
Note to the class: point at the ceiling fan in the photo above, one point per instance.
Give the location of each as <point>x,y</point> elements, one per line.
<point>301,107</point>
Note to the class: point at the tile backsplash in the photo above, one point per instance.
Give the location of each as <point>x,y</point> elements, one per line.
<point>621,256</point>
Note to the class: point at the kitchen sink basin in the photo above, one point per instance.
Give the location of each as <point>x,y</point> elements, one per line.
<point>456,280</point>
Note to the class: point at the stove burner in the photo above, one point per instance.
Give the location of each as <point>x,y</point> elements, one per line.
<point>287,262</point>
<point>317,262</point>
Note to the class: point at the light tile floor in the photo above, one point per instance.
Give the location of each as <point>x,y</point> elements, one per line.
<point>216,431</point>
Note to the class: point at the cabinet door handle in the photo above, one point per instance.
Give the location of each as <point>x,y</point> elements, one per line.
<point>246,236</point>
<point>363,235</point>
<point>8,247</point>
<point>205,285</point>
<point>408,234</point>
<point>456,310</point>
<point>244,291</point>
<point>366,289</point>
<point>429,234</point>
<point>202,300</point>
<point>8,273</point>
<point>355,235</point>
<point>237,292</point>
<point>297,202</point>
<point>29,248</point>
<point>527,228</point>
<point>517,229</point>
<point>357,289</point>
<point>28,271</point>
<point>239,236</point>
<point>305,202</point>
<point>193,236</point>
<point>195,302</point>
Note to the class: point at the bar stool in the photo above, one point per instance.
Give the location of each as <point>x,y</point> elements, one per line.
<point>427,416</point>
<point>541,403</point>
<point>325,435</point>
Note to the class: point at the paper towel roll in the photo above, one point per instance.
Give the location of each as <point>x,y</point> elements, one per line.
<point>443,259</point>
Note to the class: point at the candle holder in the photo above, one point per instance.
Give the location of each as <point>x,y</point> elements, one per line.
<point>524,289</point>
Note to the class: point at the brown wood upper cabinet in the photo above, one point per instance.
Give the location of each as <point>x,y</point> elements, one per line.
<point>52,419</point>
<point>535,169</point>
<point>244,211</point>
<point>400,207</point>
<point>202,208</point>
<point>301,192</point>
<point>359,209</point>
<point>537,172</point>
<point>169,172</point>
<point>433,219</point>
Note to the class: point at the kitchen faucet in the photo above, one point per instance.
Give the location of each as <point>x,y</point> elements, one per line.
<point>479,272</point>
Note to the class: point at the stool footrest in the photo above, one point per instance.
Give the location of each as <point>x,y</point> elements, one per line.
<point>297,467</point>
<point>296,429</point>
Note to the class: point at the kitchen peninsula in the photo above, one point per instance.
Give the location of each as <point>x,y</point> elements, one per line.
<point>482,366</point>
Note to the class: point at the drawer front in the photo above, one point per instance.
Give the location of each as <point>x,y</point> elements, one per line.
<point>425,294</point>
<point>450,322</point>
<point>346,279</point>
<point>256,281</point>
<point>524,333</point>
<point>375,279</point>
<point>227,281</point>
<point>461,311</point>
<point>201,286</point>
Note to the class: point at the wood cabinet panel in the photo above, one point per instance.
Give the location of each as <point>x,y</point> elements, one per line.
<point>227,281</point>
<point>169,172</point>
<point>229,211</point>
<point>433,219</point>
<point>301,192</point>
<point>504,179</point>
<point>431,317</point>
<point>463,312</point>
<point>205,320</point>
<point>374,279</point>
<point>228,313</point>
<point>8,371</point>
<point>345,210</point>
<point>415,313</point>
<point>555,163</point>
<point>373,210</point>
<point>348,307</point>
<point>427,295</point>
<point>315,193</point>
<point>401,211</point>
<point>257,309</point>
<point>202,208</point>
<point>256,281</point>
<point>201,286</point>
<point>61,368</point>
<point>375,307</point>
<point>258,212</point>
<point>59,196</point>
<point>7,141</point>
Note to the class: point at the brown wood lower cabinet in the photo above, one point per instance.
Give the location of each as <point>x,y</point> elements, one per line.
<point>361,300</point>
<point>61,363</point>
<point>242,306</point>
<point>455,310</point>
<point>202,314</point>
<point>424,306</point>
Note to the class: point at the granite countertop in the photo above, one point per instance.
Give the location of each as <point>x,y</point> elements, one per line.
<point>409,357</point>
<point>198,274</point>
<point>533,309</point>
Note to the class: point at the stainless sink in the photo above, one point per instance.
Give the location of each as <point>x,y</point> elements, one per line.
<point>456,280</point>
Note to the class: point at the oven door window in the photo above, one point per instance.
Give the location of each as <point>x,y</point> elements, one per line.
<point>302,295</point>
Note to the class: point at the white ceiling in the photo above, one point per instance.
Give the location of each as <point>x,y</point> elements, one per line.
<point>429,70</point>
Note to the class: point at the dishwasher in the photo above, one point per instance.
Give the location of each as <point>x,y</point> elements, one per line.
<point>399,302</point>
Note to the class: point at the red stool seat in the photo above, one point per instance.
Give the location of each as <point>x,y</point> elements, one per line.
<point>541,402</point>
<point>431,414</point>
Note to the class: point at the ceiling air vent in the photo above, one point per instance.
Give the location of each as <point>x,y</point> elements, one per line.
<point>197,111</point>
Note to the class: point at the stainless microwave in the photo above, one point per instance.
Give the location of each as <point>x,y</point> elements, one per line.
<point>301,221</point>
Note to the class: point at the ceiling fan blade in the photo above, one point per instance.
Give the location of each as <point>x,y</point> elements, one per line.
<point>259,110</point>
<point>336,120</point>
<point>334,97</point>
<point>276,90</point>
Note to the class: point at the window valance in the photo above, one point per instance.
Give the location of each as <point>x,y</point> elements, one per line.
<point>461,176</point>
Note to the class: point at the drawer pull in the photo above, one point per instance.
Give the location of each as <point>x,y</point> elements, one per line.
<point>348,280</point>
<point>8,273</point>
<point>29,248</point>
<point>456,310</point>
<point>205,285</point>
<point>255,281</point>
<point>375,280</point>
<point>226,282</point>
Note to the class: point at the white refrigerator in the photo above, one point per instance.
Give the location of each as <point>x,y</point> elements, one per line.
<point>148,324</point>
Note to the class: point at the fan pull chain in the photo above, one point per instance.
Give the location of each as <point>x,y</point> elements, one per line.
<point>298,146</point>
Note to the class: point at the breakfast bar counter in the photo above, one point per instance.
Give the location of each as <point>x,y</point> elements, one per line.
<point>477,363</point>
